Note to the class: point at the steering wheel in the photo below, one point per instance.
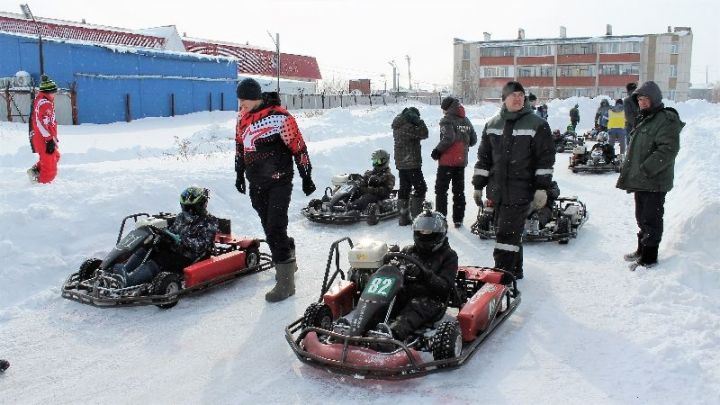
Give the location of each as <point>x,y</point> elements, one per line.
<point>404,257</point>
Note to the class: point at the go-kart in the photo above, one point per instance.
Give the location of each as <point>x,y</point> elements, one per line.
<point>346,330</point>
<point>231,258</point>
<point>598,160</point>
<point>559,221</point>
<point>335,206</point>
<point>564,142</point>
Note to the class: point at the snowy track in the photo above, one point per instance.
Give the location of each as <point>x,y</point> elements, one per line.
<point>587,331</point>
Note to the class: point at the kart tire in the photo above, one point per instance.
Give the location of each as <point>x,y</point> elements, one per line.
<point>563,227</point>
<point>252,257</point>
<point>166,283</point>
<point>447,342</point>
<point>318,315</point>
<point>372,216</point>
<point>88,267</point>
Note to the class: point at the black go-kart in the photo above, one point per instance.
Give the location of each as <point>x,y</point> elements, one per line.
<point>600,159</point>
<point>346,330</point>
<point>231,258</point>
<point>564,142</point>
<point>557,222</point>
<point>335,208</point>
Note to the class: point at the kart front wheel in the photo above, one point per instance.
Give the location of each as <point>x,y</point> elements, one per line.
<point>88,267</point>
<point>318,315</point>
<point>252,257</point>
<point>166,283</point>
<point>447,343</point>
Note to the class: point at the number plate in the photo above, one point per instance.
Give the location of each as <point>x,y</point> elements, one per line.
<point>381,286</point>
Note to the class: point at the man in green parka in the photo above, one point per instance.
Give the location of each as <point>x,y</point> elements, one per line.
<point>648,169</point>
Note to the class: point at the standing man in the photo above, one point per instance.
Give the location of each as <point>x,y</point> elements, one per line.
<point>408,130</point>
<point>456,136</point>
<point>44,138</point>
<point>515,162</point>
<point>267,139</point>
<point>574,117</point>
<point>648,170</point>
<point>631,108</point>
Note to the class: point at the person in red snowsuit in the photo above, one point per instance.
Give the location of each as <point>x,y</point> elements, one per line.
<point>44,133</point>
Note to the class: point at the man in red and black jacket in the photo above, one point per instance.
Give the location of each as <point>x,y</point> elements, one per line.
<point>267,140</point>
<point>456,136</point>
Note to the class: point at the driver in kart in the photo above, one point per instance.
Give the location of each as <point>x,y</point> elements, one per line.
<point>190,238</point>
<point>376,184</point>
<point>542,205</point>
<point>425,293</point>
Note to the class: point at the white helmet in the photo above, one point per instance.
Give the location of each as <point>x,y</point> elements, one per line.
<point>602,136</point>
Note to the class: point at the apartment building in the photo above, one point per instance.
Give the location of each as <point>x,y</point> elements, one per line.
<point>564,67</point>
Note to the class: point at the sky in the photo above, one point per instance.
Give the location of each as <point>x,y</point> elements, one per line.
<point>356,39</point>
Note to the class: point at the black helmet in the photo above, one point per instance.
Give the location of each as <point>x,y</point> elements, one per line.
<point>429,230</point>
<point>380,159</point>
<point>194,200</point>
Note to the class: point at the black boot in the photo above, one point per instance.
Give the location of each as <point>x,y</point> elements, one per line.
<point>416,206</point>
<point>404,219</point>
<point>631,257</point>
<point>647,259</point>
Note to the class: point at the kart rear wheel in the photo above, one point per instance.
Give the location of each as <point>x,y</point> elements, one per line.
<point>166,283</point>
<point>372,217</point>
<point>252,257</point>
<point>563,227</point>
<point>447,343</point>
<point>88,267</point>
<point>318,315</point>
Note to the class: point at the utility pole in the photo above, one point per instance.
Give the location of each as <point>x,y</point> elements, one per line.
<point>276,41</point>
<point>29,15</point>
<point>409,75</point>
<point>394,66</point>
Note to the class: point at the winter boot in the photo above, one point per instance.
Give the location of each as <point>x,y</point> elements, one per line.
<point>4,364</point>
<point>631,257</point>
<point>416,206</point>
<point>285,286</point>
<point>647,259</point>
<point>404,219</point>
<point>33,173</point>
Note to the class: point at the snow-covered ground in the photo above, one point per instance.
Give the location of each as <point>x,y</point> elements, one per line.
<point>587,331</point>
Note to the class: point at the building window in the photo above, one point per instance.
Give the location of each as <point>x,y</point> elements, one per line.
<point>671,95</point>
<point>498,51</point>
<point>497,71</point>
<point>576,70</point>
<point>619,47</point>
<point>620,69</point>
<point>536,71</point>
<point>673,70</point>
<point>674,48</point>
<point>576,49</point>
<point>466,52</point>
<point>535,50</point>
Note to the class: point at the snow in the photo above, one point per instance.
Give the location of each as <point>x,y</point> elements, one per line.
<point>587,331</point>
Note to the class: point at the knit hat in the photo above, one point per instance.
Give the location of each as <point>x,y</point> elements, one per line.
<point>511,87</point>
<point>630,87</point>
<point>47,85</point>
<point>249,89</point>
<point>532,97</point>
<point>447,102</point>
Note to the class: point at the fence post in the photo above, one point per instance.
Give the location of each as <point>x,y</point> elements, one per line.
<point>322,99</point>
<point>7,103</point>
<point>341,99</point>
<point>128,116</point>
<point>210,101</point>
<point>301,101</point>
<point>222,101</point>
<point>73,104</point>
<point>172,104</point>
<point>370,98</point>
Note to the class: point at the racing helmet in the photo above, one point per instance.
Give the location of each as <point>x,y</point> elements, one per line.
<point>429,230</point>
<point>194,200</point>
<point>602,136</point>
<point>380,159</point>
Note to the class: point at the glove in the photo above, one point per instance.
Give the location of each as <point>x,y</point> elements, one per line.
<point>50,147</point>
<point>539,199</point>
<point>174,237</point>
<point>413,271</point>
<point>308,186</point>
<point>435,155</point>
<point>374,181</point>
<point>240,183</point>
<point>477,196</point>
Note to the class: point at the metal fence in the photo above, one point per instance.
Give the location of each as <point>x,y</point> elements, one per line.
<point>15,105</point>
<point>322,101</point>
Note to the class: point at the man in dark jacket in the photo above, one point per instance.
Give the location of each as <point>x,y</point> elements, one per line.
<point>267,139</point>
<point>574,117</point>
<point>456,136</point>
<point>515,162</point>
<point>192,234</point>
<point>630,107</point>
<point>648,169</point>
<point>425,292</point>
<point>601,115</point>
<point>376,184</point>
<point>408,130</point>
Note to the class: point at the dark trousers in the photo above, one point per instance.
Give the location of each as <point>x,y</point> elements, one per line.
<point>445,175</point>
<point>271,204</point>
<point>415,313</point>
<point>574,124</point>
<point>363,201</point>
<point>411,179</point>
<point>649,211</point>
<point>509,225</point>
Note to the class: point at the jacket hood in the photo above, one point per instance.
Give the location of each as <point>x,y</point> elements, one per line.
<point>650,90</point>
<point>456,109</point>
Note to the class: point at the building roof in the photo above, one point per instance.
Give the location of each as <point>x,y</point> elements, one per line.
<point>257,61</point>
<point>553,41</point>
<point>18,24</point>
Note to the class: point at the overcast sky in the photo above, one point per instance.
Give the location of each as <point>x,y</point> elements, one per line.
<point>356,39</point>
